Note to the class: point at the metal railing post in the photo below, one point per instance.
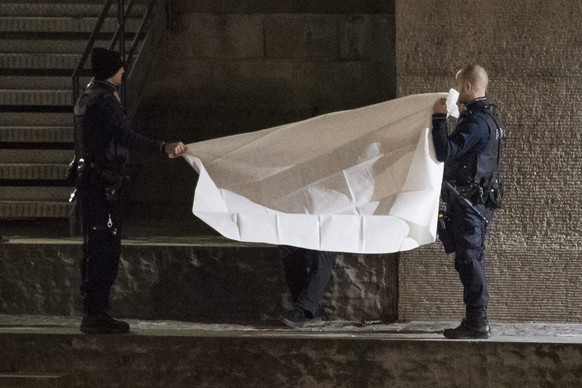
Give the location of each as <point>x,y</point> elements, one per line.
<point>121,18</point>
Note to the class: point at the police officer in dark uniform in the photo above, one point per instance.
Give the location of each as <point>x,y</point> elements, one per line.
<point>307,273</point>
<point>104,137</point>
<point>471,154</point>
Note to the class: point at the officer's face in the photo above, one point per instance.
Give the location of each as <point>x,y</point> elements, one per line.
<point>463,89</point>
<point>116,79</point>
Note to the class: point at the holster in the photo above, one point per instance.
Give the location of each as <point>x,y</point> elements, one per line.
<point>110,180</point>
<point>493,194</point>
<point>472,192</point>
<point>114,183</point>
<point>72,174</point>
<point>444,232</point>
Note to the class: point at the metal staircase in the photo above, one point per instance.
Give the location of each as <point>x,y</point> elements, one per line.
<point>41,44</point>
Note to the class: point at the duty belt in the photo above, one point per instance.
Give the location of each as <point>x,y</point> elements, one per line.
<point>454,193</point>
<point>473,192</point>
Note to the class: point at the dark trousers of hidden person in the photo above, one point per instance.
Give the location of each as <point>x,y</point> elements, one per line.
<point>307,273</point>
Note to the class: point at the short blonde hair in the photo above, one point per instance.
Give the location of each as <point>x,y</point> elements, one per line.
<point>474,74</point>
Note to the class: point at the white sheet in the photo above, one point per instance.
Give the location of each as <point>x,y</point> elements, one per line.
<point>363,181</point>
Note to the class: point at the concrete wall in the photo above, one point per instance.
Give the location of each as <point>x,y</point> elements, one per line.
<point>229,67</point>
<point>205,280</point>
<point>532,50</point>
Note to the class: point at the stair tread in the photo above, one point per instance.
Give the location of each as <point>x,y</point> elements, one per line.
<point>34,127</point>
<point>35,193</point>
<point>45,82</point>
<point>38,119</point>
<point>28,134</point>
<point>62,24</point>
<point>34,209</point>
<point>44,61</point>
<point>39,61</point>
<point>36,97</point>
<point>27,165</point>
<point>36,156</point>
<point>49,10</point>
<point>55,46</point>
<point>31,172</point>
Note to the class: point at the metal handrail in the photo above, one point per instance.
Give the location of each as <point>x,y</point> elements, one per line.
<point>88,48</point>
<point>140,29</point>
<point>119,35</point>
<point>121,26</point>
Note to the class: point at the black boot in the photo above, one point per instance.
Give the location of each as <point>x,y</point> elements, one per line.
<point>475,326</point>
<point>103,324</point>
<point>466,331</point>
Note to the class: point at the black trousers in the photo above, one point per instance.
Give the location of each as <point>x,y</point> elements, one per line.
<point>101,246</point>
<point>468,231</point>
<point>307,273</point>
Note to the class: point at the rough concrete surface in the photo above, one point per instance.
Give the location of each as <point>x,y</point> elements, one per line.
<point>208,279</point>
<point>531,50</point>
<point>335,354</point>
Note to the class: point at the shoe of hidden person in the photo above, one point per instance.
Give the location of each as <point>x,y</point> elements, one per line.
<point>466,331</point>
<point>299,318</point>
<point>103,324</point>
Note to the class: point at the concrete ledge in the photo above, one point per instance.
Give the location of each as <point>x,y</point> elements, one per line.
<point>193,279</point>
<point>178,354</point>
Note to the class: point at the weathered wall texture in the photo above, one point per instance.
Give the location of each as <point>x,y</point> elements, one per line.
<point>230,67</point>
<point>532,51</point>
<point>260,358</point>
<point>211,281</point>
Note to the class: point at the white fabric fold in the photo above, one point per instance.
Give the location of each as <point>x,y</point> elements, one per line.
<point>363,181</point>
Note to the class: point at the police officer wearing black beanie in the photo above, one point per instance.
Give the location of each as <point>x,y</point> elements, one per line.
<point>104,139</point>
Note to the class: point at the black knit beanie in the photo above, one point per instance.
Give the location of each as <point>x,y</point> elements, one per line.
<point>105,63</point>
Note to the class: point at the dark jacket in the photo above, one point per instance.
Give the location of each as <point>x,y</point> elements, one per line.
<point>471,151</point>
<point>104,132</point>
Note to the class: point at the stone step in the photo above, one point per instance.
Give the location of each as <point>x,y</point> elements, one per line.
<point>36,97</point>
<point>40,61</point>
<point>34,209</point>
<point>55,46</point>
<point>61,24</point>
<point>98,2</point>
<point>62,9</point>
<point>24,134</point>
<point>56,172</point>
<point>196,278</point>
<point>39,82</point>
<point>32,380</point>
<point>36,119</point>
<point>36,156</point>
<point>35,193</point>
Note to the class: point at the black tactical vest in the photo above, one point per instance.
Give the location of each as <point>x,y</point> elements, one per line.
<point>95,143</point>
<point>478,167</point>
